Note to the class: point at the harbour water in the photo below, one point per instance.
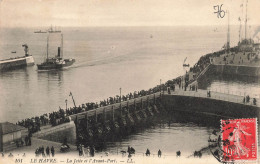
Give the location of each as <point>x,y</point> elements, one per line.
<point>109,58</point>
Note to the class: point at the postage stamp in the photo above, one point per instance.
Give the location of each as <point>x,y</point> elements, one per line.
<point>239,139</point>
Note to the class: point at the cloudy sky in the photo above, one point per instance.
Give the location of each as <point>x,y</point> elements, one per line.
<point>38,13</point>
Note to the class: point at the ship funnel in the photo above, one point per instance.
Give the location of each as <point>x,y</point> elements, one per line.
<point>58,52</point>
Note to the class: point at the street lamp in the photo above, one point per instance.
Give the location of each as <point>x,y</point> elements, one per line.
<point>120,102</point>
<point>66,103</point>
<point>120,95</point>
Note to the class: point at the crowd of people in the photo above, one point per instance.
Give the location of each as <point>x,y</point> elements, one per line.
<point>34,124</point>
<point>247,98</point>
<point>40,151</point>
<point>89,152</point>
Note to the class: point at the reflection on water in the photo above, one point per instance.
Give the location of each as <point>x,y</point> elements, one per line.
<point>177,131</point>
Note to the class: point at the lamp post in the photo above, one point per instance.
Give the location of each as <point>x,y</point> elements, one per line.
<point>66,103</point>
<point>120,96</point>
<point>160,85</point>
<point>120,102</point>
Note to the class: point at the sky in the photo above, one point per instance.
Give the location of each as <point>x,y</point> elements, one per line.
<point>39,13</point>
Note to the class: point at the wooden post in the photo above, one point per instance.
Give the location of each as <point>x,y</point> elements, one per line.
<point>105,114</point>
<point>86,117</point>
<point>134,105</point>
<point>127,106</point>
<point>113,113</point>
<point>96,115</point>
<point>141,103</point>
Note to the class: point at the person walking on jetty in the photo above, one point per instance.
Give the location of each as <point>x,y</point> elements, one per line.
<point>80,150</point>
<point>159,153</point>
<point>52,151</point>
<point>47,151</point>
<point>147,152</point>
<point>42,151</point>
<point>178,153</point>
<point>254,101</point>
<point>129,150</point>
<point>10,155</point>
<point>92,151</point>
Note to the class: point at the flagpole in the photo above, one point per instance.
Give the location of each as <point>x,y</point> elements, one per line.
<point>73,99</point>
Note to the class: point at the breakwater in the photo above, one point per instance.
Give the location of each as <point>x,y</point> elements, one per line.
<point>117,119</point>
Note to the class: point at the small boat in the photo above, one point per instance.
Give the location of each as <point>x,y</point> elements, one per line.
<point>40,31</point>
<point>185,65</point>
<point>56,62</point>
<point>13,52</point>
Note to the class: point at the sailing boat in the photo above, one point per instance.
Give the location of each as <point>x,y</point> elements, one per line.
<point>56,62</point>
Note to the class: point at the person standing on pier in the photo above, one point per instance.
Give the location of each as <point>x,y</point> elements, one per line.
<point>159,153</point>
<point>47,151</point>
<point>52,151</point>
<point>92,151</point>
<point>80,150</point>
<point>147,152</point>
<point>129,150</point>
<point>254,101</point>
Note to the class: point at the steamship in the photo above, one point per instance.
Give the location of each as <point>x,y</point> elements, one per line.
<point>56,62</point>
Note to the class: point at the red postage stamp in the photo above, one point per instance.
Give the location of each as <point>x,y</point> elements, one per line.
<point>239,139</point>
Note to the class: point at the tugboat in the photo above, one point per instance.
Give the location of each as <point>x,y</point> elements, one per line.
<point>56,62</point>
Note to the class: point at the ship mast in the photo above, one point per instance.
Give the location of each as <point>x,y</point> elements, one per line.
<point>47,47</point>
<point>228,35</point>
<point>61,45</point>
<point>240,20</point>
<point>246,21</point>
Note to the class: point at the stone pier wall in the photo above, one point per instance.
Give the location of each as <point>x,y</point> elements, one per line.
<point>234,70</point>
<point>210,106</point>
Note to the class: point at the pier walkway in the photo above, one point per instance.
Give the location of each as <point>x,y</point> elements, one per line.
<point>110,108</point>
<point>235,97</point>
<point>226,96</point>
